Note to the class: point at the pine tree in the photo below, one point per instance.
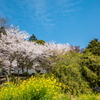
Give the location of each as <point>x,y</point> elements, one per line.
<point>33,38</point>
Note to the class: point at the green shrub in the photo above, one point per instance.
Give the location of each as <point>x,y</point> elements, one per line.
<point>76,72</point>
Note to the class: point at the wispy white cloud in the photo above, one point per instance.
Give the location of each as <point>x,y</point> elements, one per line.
<point>67,6</point>
<point>45,12</point>
<point>41,12</point>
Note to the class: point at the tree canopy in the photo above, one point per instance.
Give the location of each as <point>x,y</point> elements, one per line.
<point>94,47</point>
<point>40,42</point>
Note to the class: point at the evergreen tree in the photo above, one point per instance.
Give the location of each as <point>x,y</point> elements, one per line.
<point>94,47</point>
<point>33,38</point>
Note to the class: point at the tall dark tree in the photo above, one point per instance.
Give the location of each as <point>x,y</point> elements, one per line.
<point>33,38</point>
<point>94,47</point>
<point>2,30</point>
<point>3,24</point>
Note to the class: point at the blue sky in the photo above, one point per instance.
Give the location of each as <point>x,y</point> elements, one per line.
<point>76,22</point>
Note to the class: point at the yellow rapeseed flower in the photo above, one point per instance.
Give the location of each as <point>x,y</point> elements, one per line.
<point>59,84</point>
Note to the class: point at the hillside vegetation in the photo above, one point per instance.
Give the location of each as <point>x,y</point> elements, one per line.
<point>78,72</point>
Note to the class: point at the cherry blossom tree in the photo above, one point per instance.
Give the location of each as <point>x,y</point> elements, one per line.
<point>13,47</point>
